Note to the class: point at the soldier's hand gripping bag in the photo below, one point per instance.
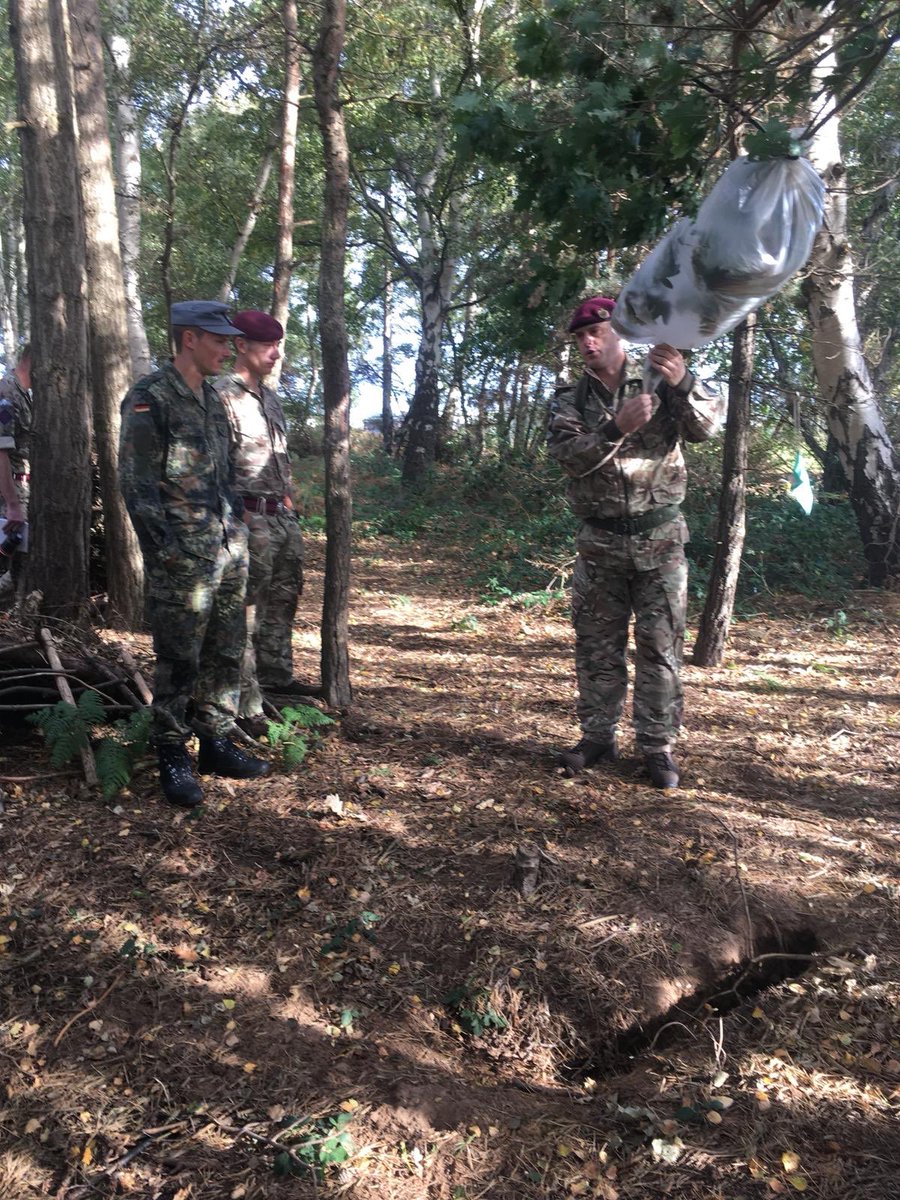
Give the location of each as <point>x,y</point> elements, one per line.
<point>754,230</point>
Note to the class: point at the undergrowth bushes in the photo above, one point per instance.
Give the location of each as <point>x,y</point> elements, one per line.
<point>509,522</point>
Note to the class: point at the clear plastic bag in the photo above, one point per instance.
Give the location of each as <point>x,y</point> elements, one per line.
<point>753,231</point>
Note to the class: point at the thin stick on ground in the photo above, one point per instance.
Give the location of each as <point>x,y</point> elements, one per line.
<point>87,755</point>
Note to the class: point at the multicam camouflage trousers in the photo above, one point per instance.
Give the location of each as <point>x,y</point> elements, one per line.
<point>197,617</point>
<point>624,576</point>
<point>276,580</point>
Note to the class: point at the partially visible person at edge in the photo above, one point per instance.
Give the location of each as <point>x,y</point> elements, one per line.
<point>16,409</point>
<point>263,480</point>
<point>177,470</point>
<point>621,448</point>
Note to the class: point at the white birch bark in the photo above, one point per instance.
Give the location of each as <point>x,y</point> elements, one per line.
<point>870,463</point>
<point>128,193</point>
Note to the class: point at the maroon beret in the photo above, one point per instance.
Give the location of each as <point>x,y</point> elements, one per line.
<point>598,308</point>
<point>258,326</point>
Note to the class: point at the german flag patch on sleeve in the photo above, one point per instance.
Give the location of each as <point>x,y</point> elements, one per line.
<point>140,406</point>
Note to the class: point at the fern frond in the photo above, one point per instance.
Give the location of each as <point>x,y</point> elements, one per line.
<point>113,765</point>
<point>306,716</point>
<point>295,750</point>
<point>90,708</point>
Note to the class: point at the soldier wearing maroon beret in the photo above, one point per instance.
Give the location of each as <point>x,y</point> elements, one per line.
<point>619,441</point>
<point>263,479</point>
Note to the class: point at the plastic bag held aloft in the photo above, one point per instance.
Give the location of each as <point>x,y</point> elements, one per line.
<point>753,231</point>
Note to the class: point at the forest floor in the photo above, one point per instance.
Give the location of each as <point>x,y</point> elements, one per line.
<point>700,999</point>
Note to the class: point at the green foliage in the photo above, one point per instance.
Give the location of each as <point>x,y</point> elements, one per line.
<point>363,924</point>
<point>69,728</point>
<point>471,1008</point>
<point>315,1146</point>
<point>297,732</point>
<point>772,140</point>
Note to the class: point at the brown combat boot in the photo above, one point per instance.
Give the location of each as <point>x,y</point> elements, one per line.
<point>662,769</point>
<point>586,753</point>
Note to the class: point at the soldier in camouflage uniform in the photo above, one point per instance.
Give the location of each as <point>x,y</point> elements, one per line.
<point>620,445</point>
<point>16,410</point>
<point>263,480</point>
<point>175,461</point>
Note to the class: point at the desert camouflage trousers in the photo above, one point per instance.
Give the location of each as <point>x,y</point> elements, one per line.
<point>649,580</point>
<point>276,580</point>
<point>197,615</point>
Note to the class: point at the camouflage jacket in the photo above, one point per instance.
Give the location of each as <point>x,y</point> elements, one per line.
<point>645,471</point>
<point>262,463</point>
<point>16,414</point>
<point>176,468</point>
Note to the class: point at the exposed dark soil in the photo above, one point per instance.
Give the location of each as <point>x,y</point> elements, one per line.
<point>699,1000</point>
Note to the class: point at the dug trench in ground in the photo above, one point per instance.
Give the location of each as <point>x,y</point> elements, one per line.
<point>231,969</point>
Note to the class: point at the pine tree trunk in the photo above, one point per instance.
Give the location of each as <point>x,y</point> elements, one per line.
<point>335,369</point>
<point>715,622</point>
<point>284,252</point>
<point>60,505</point>
<point>871,465</point>
<point>128,192</point>
<point>107,321</point>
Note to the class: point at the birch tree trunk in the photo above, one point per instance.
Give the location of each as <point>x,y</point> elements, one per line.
<point>107,322</point>
<point>436,275</point>
<point>335,368</point>
<point>870,463</point>
<point>715,621</point>
<point>284,253</point>
<point>8,316</point>
<point>243,237</point>
<point>387,363</point>
<point>128,193</point>
<point>60,507</point>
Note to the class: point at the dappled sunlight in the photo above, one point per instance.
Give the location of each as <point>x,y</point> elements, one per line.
<point>349,937</point>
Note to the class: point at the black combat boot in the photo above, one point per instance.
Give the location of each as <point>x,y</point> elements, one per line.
<point>662,769</point>
<point>176,776</point>
<point>220,756</point>
<point>586,753</point>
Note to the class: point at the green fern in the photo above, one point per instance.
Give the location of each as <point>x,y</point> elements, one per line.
<point>287,736</point>
<point>113,766</point>
<point>68,728</point>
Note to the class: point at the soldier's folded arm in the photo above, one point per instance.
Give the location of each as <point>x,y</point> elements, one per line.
<point>698,408</point>
<point>575,447</point>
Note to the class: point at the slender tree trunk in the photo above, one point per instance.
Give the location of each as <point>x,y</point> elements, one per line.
<point>870,463</point>
<point>253,207</point>
<point>284,253</point>
<point>61,470</point>
<point>107,322</point>
<point>128,195</point>
<point>22,284</point>
<point>7,309</point>
<point>424,411</point>
<point>719,607</point>
<point>335,369</point>
<point>387,363</point>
